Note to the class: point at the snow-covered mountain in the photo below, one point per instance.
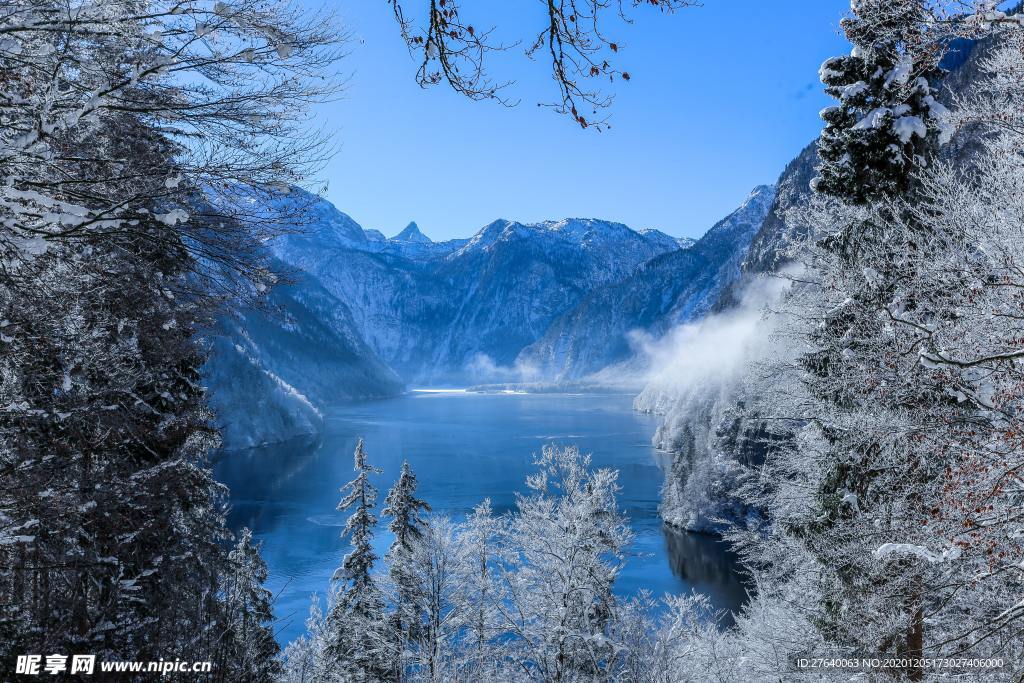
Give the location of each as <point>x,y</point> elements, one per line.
<point>553,300</point>
<point>676,287</point>
<point>515,279</point>
<point>412,233</point>
<point>448,311</point>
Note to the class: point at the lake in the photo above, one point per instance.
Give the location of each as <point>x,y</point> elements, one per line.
<point>464,447</point>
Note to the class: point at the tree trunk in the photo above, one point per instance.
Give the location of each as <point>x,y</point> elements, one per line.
<point>915,642</point>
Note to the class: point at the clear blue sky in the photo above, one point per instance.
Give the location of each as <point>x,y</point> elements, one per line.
<point>721,97</point>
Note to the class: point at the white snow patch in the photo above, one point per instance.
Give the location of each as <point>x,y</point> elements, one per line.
<point>908,126</point>
<point>909,550</point>
<point>173,217</point>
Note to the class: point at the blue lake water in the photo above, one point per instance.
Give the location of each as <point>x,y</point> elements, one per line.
<point>464,447</point>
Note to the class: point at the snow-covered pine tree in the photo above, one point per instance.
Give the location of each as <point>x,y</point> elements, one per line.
<point>407,524</point>
<point>249,651</point>
<point>888,119</point>
<point>115,521</point>
<point>404,509</point>
<point>357,643</point>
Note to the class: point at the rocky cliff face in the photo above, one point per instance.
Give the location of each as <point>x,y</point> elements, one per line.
<point>709,448</point>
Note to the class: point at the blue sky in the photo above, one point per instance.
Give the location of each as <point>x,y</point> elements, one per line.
<point>721,98</point>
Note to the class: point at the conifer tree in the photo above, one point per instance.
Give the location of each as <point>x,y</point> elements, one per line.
<point>404,508</point>
<point>887,120</point>
<point>356,647</point>
<point>118,118</point>
<point>251,651</point>
<point>117,519</point>
<point>885,130</point>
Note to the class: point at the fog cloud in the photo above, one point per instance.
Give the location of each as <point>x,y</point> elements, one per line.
<point>482,368</point>
<point>714,349</point>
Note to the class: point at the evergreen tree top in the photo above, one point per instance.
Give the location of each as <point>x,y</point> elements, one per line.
<point>402,505</point>
<point>888,122</point>
<point>362,495</point>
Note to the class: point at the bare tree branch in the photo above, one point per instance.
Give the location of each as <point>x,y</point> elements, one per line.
<point>451,50</point>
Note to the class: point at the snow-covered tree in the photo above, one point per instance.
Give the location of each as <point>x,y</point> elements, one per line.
<point>524,597</point>
<point>173,100</point>
<point>960,313</point>
<point>117,121</point>
<point>887,120</point>
<point>482,593</point>
<point>248,650</point>
<point>435,564</point>
<point>405,511</point>
<point>407,525</point>
<point>357,641</point>
<point>889,513</point>
<point>112,522</point>
<point>565,546</point>
<point>884,131</point>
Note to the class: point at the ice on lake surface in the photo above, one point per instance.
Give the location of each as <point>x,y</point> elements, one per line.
<point>464,447</point>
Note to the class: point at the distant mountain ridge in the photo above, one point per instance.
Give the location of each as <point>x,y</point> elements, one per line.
<point>553,300</point>
<point>443,311</point>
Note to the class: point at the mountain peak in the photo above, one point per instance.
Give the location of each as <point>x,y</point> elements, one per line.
<point>412,234</point>
<point>761,194</point>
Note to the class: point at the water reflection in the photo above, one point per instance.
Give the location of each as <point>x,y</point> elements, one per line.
<point>707,563</point>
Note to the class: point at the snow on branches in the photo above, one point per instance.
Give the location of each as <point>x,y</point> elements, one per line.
<point>222,87</point>
<point>888,120</point>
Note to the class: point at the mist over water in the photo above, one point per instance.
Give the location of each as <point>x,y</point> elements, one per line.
<point>464,447</point>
